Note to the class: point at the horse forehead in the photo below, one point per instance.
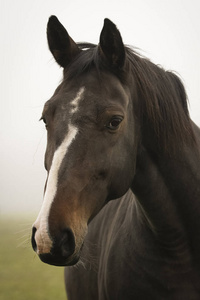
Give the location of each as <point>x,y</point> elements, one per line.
<point>74,103</point>
<point>92,93</point>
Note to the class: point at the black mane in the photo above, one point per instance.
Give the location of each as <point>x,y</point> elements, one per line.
<point>163,102</point>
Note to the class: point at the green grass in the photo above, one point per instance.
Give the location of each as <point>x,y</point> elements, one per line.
<point>22,275</point>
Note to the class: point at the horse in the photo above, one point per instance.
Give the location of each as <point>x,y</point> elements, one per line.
<point>121,207</point>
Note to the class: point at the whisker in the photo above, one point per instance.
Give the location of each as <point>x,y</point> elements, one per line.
<point>88,259</point>
<point>28,230</point>
<point>24,244</point>
<point>23,236</point>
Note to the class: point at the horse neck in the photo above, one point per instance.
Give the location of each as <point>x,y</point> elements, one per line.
<point>168,192</point>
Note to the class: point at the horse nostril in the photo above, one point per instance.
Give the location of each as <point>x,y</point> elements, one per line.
<point>33,242</point>
<point>67,243</point>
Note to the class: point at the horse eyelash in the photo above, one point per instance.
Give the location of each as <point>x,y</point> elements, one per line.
<point>43,119</point>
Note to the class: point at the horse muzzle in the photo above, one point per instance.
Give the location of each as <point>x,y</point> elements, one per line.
<point>59,251</point>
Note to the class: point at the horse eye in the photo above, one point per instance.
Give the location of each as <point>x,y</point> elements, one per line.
<point>114,123</point>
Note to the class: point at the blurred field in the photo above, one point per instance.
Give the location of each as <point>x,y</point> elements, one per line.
<point>22,275</point>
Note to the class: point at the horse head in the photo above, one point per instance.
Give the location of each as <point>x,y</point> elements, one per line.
<point>91,137</point>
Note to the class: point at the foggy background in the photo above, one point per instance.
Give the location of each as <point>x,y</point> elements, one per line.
<point>168,32</point>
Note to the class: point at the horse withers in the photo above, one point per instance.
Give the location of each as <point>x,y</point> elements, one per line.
<point>122,196</point>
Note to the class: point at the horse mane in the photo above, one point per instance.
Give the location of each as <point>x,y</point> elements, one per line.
<point>162,96</point>
<point>163,104</point>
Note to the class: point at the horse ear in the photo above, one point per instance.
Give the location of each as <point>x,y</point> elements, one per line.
<point>61,45</point>
<point>111,44</point>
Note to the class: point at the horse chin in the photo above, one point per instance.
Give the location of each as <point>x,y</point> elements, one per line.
<point>59,261</point>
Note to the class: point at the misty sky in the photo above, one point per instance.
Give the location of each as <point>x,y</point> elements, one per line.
<point>168,32</point>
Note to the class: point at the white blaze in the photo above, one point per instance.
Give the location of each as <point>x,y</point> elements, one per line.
<point>43,241</point>
<point>76,100</point>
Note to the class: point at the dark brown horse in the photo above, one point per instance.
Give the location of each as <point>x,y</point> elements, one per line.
<point>122,196</point>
